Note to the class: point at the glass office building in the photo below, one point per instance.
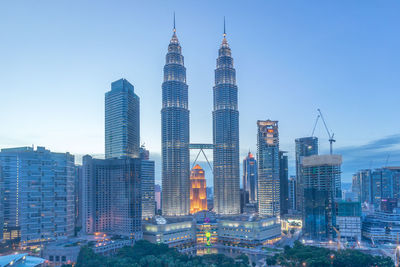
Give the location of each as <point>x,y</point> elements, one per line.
<point>250,177</point>
<point>305,146</point>
<point>147,174</point>
<point>112,196</point>
<point>268,168</point>
<point>122,121</point>
<point>284,182</point>
<point>175,134</point>
<point>226,135</point>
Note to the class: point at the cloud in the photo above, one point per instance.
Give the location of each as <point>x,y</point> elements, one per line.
<point>375,154</point>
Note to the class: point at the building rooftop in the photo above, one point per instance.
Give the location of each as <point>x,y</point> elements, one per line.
<point>20,260</point>
<point>245,218</point>
<point>160,220</point>
<point>322,160</point>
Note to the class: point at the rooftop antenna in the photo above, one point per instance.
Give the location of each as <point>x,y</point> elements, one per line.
<point>224,28</point>
<point>174,23</point>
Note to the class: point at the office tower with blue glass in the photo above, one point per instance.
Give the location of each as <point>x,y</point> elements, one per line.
<point>175,134</point>
<point>382,185</point>
<point>78,196</point>
<point>305,146</point>
<point>284,182</point>
<point>292,192</point>
<point>112,198</point>
<point>122,121</point>
<point>268,168</point>
<point>147,176</point>
<point>250,177</point>
<point>226,135</point>
<point>38,194</point>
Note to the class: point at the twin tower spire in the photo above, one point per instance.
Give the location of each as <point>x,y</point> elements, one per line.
<point>175,134</point>
<point>174,28</point>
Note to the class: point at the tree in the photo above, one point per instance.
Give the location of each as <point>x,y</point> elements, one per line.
<point>316,256</point>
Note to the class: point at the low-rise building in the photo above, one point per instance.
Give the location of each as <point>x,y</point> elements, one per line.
<point>176,232</point>
<point>20,260</point>
<point>62,252</point>
<point>380,227</point>
<point>248,231</point>
<point>348,220</point>
<point>206,228</point>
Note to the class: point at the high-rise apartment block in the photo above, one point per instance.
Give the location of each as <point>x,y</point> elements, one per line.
<point>284,182</point>
<point>175,134</point>
<point>306,146</point>
<point>122,121</point>
<point>38,195</point>
<point>226,135</point>
<point>322,186</point>
<point>112,200</point>
<point>268,168</point>
<point>250,177</point>
<point>198,193</point>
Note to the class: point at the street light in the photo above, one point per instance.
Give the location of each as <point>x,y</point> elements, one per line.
<point>332,257</point>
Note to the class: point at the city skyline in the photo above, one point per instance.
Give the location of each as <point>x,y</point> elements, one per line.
<point>79,90</point>
<point>193,170</point>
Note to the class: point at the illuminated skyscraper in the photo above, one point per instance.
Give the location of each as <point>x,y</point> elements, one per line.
<point>122,125</point>
<point>226,135</point>
<point>175,133</point>
<point>268,168</point>
<point>198,194</point>
<point>250,182</point>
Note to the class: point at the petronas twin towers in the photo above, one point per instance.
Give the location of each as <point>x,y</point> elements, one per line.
<point>175,134</point>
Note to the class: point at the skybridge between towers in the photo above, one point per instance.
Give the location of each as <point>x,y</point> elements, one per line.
<point>201,148</point>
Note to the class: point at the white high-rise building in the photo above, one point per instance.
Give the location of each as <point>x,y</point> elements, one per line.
<point>38,194</point>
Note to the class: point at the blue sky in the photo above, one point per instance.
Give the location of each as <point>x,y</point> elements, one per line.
<point>58,59</point>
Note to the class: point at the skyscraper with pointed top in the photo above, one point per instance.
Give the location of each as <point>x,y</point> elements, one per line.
<point>175,133</point>
<point>226,134</point>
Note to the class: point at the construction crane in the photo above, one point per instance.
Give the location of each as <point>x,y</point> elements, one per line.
<point>315,125</point>
<point>331,139</point>
<point>338,237</point>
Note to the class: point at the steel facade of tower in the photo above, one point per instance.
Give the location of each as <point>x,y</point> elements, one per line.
<point>122,121</point>
<point>175,134</point>
<point>268,168</point>
<point>226,135</point>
